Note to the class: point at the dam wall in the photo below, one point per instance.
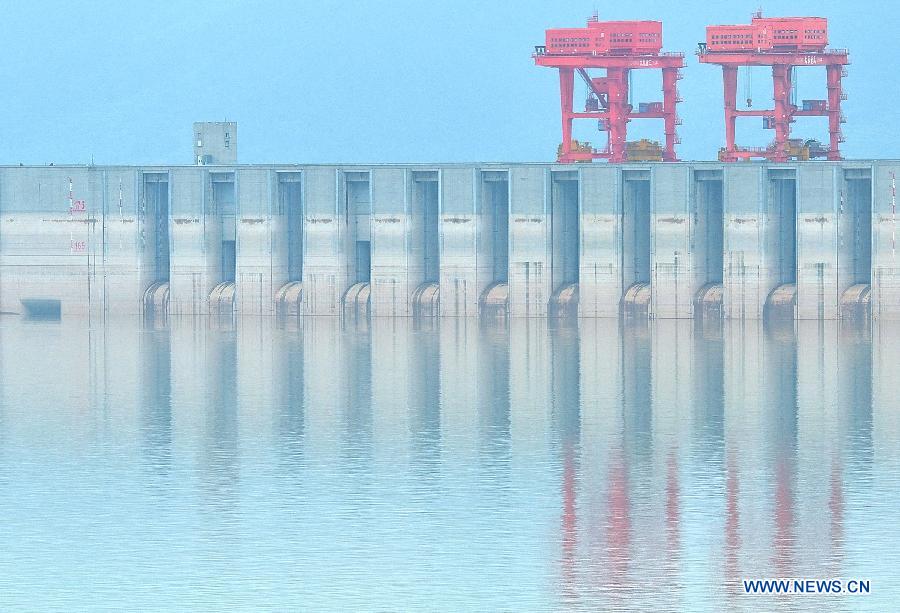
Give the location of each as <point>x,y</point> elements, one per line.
<point>807,240</point>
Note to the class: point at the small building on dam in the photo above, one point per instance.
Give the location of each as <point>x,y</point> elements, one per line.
<point>666,240</point>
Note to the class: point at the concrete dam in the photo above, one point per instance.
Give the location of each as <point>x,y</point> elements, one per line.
<point>809,240</point>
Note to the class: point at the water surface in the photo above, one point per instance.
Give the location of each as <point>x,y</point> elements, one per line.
<point>449,466</point>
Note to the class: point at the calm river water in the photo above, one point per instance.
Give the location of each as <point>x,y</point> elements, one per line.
<point>448,466</point>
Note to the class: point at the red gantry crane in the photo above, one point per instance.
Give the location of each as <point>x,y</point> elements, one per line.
<point>617,47</point>
<point>782,43</point>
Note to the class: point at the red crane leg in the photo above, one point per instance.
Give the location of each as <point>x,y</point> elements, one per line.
<point>729,78</point>
<point>781,75</point>
<point>566,91</point>
<point>670,97</point>
<point>833,73</point>
<point>618,114</point>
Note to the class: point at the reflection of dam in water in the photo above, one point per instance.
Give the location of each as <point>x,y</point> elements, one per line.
<point>807,240</point>
<point>594,461</point>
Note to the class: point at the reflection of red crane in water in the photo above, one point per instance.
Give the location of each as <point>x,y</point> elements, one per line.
<point>784,515</point>
<point>732,526</point>
<point>569,525</point>
<point>618,523</point>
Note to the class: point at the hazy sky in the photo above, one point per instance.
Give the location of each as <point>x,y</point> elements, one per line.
<point>398,81</point>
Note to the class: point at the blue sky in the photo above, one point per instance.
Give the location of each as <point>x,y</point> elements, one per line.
<point>398,81</point>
